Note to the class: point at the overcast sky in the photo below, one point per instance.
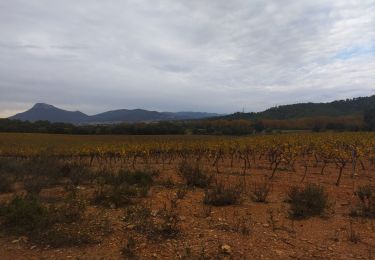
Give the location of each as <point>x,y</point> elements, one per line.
<point>179,55</point>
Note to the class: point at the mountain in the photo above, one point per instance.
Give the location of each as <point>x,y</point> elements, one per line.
<point>41,111</point>
<point>130,116</point>
<point>141,115</point>
<point>348,107</point>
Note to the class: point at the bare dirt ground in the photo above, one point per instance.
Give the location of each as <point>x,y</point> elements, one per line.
<point>248,230</point>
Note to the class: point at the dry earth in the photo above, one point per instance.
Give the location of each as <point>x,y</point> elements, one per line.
<point>248,230</point>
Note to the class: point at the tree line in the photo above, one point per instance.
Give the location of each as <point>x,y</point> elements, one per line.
<point>199,127</point>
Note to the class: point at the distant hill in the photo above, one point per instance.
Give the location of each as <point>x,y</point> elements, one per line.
<point>340,108</point>
<point>348,107</point>
<point>41,111</point>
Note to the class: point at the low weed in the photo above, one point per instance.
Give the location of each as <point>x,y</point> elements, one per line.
<point>261,191</point>
<point>181,192</point>
<point>352,234</point>
<point>243,225</point>
<point>74,234</point>
<point>128,251</point>
<point>365,202</point>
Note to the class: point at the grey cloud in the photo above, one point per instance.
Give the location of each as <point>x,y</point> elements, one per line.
<point>215,56</point>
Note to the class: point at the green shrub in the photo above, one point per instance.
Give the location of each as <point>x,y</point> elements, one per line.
<point>35,184</point>
<point>113,196</point>
<point>366,202</point>
<point>39,172</point>
<point>43,166</point>
<point>194,175</point>
<point>10,165</point>
<point>312,200</point>
<point>5,184</point>
<point>221,195</point>
<point>119,195</point>
<point>58,226</point>
<point>162,224</point>
<point>61,238</point>
<point>78,173</point>
<point>167,183</point>
<point>141,218</point>
<point>140,178</point>
<point>24,214</point>
<point>124,176</point>
<point>89,230</point>
<point>72,209</point>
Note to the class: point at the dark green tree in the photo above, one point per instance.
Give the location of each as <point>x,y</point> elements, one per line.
<point>369,118</point>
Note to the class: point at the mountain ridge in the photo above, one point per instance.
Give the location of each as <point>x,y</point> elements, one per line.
<point>348,107</point>
<point>47,112</point>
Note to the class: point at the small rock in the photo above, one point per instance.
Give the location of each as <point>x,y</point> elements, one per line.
<point>130,226</point>
<point>23,239</point>
<point>279,252</point>
<point>266,225</point>
<point>226,249</point>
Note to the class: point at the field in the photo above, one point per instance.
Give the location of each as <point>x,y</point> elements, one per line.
<point>280,196</point>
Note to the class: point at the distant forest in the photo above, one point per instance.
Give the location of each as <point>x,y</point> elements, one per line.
<point>202,127</point>
<point>356,114</point>
<point>339,108</point>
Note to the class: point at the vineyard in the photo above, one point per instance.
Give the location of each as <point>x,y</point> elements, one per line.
<point>353,150</point>
<point>193,197</point>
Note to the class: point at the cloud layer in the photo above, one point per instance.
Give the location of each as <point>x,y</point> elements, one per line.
<point>199,55</point>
